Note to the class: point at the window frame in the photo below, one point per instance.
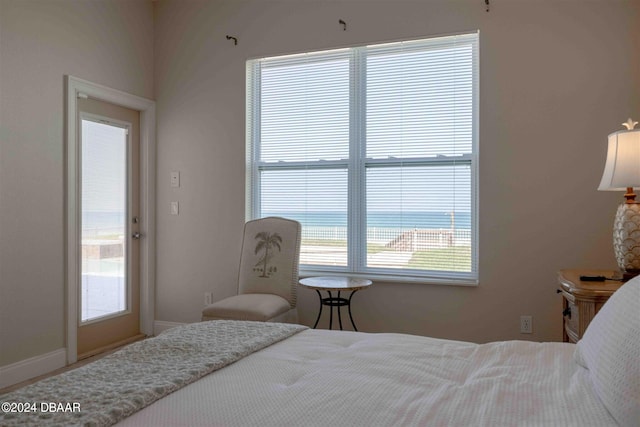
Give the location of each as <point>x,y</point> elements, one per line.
<point>357,165</point>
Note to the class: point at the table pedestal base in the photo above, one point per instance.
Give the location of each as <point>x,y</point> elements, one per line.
<point>337,302</point>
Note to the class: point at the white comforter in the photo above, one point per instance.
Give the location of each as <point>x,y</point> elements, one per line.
<point>332,378</point>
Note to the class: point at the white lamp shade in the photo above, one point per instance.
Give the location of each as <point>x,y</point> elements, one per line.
<point>622,168</point>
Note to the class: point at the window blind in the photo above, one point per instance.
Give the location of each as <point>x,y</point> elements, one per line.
<point>374,150</point>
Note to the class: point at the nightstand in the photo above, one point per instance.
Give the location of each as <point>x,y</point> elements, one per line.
<point>582,300</point>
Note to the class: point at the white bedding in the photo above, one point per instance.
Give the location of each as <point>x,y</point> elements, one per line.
<point>332,378</point>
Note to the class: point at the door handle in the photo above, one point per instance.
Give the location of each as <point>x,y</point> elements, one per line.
<point>136,235</point>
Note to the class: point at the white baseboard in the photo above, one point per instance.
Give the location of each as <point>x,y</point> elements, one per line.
<point>32,367</point>
<point>43,364</point>
<point>161,325</point>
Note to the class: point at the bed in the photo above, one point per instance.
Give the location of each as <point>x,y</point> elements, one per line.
<point>257,374</point>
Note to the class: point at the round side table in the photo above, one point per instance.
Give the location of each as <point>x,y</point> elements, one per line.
<point>339,284</point>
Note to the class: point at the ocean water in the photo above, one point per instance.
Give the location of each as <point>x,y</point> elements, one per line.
<point>102,220</point>
<point>405,220</point>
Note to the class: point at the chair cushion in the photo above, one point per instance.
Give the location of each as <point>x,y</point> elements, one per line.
<point>258,307</point>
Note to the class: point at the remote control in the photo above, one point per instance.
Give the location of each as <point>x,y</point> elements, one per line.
<point>593,278</point>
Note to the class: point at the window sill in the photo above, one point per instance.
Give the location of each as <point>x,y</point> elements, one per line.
<point>390,278</point>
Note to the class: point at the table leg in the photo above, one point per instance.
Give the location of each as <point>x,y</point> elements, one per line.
<point>330,312</point>
<point>350,316</point>
<point>339,315</point>
<point>336,303</point>
<point>319,311</point>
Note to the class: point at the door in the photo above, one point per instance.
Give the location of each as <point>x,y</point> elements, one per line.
<point>109,286</point>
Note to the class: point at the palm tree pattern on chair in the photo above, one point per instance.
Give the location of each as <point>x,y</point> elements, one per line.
<point>267,242</point>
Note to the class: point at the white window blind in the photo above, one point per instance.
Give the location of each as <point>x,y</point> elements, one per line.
<point>374,150</point>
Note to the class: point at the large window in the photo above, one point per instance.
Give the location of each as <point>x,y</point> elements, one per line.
<point>374,150</point>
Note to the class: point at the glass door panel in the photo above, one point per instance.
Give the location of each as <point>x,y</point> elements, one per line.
<point>104,218</point>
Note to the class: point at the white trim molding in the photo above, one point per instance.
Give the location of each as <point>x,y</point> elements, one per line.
<point>32,367</point>
<point>77,87</point>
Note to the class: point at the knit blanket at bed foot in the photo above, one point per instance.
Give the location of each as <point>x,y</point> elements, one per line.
<point>112,388</point>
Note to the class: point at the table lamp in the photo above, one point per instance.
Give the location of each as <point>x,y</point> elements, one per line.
<point>622,173</point>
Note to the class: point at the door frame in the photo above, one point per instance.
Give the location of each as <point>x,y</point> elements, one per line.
<point>78,87</point>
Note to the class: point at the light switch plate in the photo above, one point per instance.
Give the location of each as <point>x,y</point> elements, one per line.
<point>175,208</point>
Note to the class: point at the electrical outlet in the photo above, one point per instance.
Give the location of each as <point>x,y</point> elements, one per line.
<point>175,179</point>
<point>208,298</point>
<point>526,325</point>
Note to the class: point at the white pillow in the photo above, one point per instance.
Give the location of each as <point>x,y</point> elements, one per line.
<point>610,350</point>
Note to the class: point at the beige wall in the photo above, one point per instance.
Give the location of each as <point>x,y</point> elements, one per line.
<point>106,42</point>
<point>557,76</point>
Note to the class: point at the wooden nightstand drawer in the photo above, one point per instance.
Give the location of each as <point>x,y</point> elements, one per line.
<point>582,300</point>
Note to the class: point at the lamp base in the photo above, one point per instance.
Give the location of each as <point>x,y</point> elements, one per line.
<point>626,238</point>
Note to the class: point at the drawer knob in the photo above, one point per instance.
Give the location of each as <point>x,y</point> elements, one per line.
<point>567,312</point>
